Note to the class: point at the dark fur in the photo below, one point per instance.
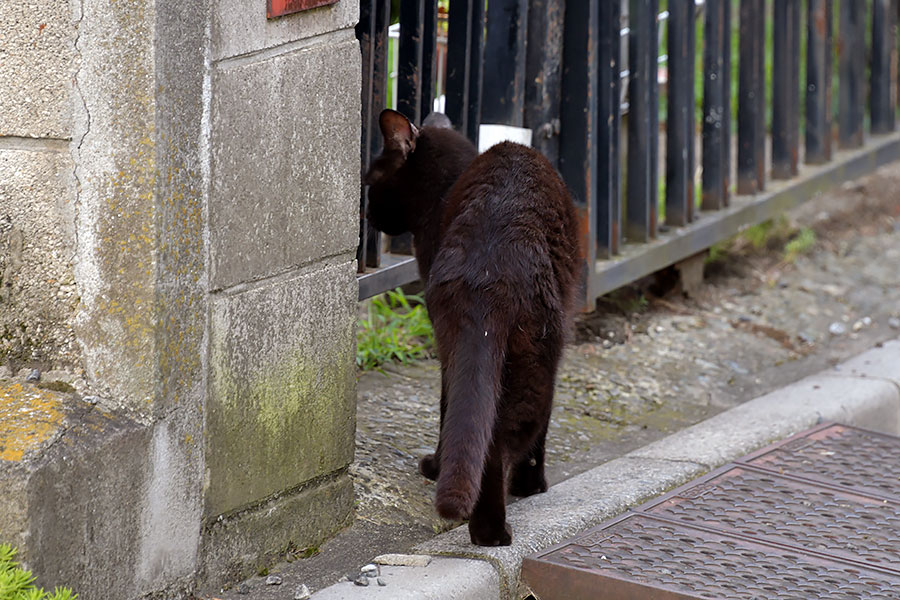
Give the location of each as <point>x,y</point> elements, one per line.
<point>497,245</point>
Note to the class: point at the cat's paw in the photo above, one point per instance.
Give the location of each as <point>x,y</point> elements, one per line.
<point>490,536</point>
<point>429,467</point>
<point>527,482</point>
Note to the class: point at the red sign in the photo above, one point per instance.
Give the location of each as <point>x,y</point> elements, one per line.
<point>278,8</point>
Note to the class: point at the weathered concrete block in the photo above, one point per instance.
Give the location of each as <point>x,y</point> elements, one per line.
<point>72,477</point>
<point>285,162</point>
<point>236,546</point>
<point>38,295</point>
<point>36,66</point>
<point>281,406</point>
<point>239,27</point>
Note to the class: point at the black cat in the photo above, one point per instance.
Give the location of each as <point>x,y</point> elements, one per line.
<point>496,239</point>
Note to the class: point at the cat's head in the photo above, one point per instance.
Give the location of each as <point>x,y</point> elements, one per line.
<point>398,176</point>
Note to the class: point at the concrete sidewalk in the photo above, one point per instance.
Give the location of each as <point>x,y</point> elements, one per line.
<point>863,391</point>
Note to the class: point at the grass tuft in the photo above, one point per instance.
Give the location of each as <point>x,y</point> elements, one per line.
<point>396,329</point>
<point>18,584</point>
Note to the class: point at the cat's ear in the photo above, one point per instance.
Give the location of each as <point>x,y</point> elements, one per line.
<point>399,134</point>
<point>437,119</point>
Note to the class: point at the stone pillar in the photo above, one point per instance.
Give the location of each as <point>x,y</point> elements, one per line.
<point>283,222</point>
<point>178,215</point>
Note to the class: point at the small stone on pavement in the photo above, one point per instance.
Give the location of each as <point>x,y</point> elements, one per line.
<point>403,560</point>
<point>362,580</point>
<point>273,580</point>
<point>894,323</point>
<point>837,328</point>
<point>243,589</point>
<point>381,582</point>
<point>35,375</point>
<point>302,593</point>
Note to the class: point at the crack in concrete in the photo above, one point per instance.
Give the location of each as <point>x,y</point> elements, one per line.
<point>80,139</point>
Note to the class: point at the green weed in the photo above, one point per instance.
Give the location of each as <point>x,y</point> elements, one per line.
<point>397,329</point>
<point>800,244</point>
<point>18,584</point>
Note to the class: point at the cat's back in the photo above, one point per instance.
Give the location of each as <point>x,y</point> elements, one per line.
<point>510,215</point>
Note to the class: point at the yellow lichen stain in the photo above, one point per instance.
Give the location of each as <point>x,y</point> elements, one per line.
<point>28,417</point>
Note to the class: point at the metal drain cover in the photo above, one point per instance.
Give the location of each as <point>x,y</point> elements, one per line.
<point>814,516</point>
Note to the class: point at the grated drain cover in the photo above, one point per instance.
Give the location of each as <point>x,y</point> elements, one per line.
<point>815,516</point>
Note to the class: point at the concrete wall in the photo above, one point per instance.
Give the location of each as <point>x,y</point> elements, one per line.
<point>188,174</point>
<point>38,296</point>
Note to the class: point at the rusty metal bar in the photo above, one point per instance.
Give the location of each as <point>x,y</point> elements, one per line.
<point>751,98</point>
<point>716,105</point>
<point>503,95</point>
<point>818,81</point>
<point>371,31</point>
<point>785,69</point>
<point>680,115</point>
<point>543,75</point>
<point>578,117</point>
<point>465,59</point>
<point>882,97</point>
<point>429,52</point>
<point>642,190</point>
<point>409,66</point>
<point>852,65</point>
<point>609,204</point>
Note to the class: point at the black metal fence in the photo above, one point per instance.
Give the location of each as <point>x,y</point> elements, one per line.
<point>585,76</point>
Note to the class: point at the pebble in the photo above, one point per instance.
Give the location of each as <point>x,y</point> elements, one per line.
<point>35,375</point>
<point>806,338</point>
<point>381,582</point>
<point>362,580</point>
<point>894,323</point>
<point>837,328</point>
<point>274,580</point>
<point>736,367</point>
<point>244,589</point>
<point>302,593</point>
<point>370,570</point>
<point>91,400</point>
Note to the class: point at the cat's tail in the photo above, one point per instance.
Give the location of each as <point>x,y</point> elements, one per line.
<point>473,370</point>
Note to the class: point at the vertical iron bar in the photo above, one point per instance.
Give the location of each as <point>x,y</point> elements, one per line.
<point>680,111</point>
<point>785,68</point>
<point>751,120</point>
<point>761,108</point>
<point>578,117</point>
<point>409,67</point>
<point>884,66</point>
<point>503,96</point>
<point>465,57</point>
<point>609,209</point>
<point>372,33</point>
<point>726,103</point>
<point>429,52</point>
<point>796,16</point>
<point>818,81</point>
<point>716,106</point>
<point>851,44</point>
<point>641,209</point>
<point>543,74</point>
<point>409,82</point>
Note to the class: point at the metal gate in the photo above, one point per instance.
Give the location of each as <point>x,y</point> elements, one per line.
<point>589,77</point>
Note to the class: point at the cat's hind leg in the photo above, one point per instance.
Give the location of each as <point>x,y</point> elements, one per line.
<point>528,473</point>
<point>529,383</point>
<point>487,524</point>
